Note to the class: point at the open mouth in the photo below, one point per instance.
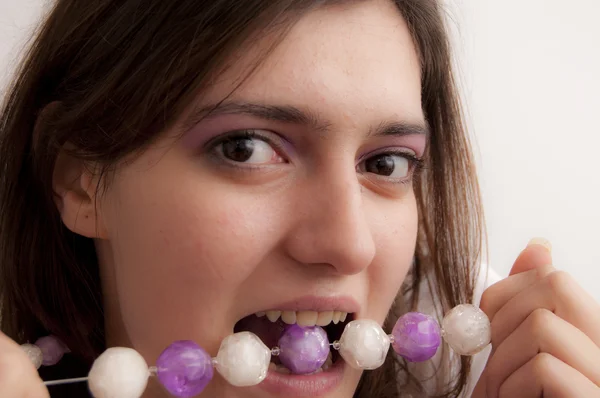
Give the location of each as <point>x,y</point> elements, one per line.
<point>269,326</point>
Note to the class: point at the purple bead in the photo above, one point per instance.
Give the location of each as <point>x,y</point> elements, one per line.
<point>416,337</point>
<point>52,350</point>
<point>303,350</point>
<point>184,368</point>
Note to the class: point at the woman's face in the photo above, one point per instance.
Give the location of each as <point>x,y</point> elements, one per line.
<point>295,195</point>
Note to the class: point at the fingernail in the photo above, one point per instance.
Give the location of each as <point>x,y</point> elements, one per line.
<point>542,242</point>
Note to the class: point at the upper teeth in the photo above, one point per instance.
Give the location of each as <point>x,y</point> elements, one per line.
<point>305,318</point>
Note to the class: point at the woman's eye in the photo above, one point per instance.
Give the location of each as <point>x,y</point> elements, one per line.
<point>248,150</point>
<point>388,165</point>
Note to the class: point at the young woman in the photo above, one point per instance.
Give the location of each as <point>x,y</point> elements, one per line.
<point>177,170</point>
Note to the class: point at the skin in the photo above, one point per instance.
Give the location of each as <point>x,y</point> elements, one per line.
<point>545,333</point>
<point>181,224</point>
<point>187,239</point>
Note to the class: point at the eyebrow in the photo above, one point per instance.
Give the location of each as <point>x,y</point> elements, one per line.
<point>292,115</point>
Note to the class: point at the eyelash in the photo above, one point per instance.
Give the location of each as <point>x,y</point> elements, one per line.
<point>416,164</point>
<point>245,134</point>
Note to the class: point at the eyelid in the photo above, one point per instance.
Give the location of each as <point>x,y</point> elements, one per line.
<point>279,144</point>
<point>392,150</point>
<point>415,163</point>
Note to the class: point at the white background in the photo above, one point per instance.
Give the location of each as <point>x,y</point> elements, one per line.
<point>529,73</point>
<point>530,76</point>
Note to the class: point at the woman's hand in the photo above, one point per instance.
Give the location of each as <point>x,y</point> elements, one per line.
<point>18,376</point>
<point>545,333</point>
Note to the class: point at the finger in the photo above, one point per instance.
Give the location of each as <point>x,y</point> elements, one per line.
<point>7,342</point>
<point>497,295</point>
<point>548,377</point>
<point>534,263</point>
<point>558,292</point>
<point>542,331</point>
<point>537,253</point>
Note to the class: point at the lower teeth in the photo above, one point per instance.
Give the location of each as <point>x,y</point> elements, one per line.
<point>279,368</point>
<point>283,370</point>
<point>328,362</point>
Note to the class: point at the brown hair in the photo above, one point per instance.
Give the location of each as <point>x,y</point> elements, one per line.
<point>93,61</point>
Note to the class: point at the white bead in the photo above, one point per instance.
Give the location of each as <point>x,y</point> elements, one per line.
<point>364,344</point>
<point>243,359</point>
<point>118,373</point>
<point>466,329</point>
<point>34,353</point>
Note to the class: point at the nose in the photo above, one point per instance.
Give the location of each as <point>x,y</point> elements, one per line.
<point>331,225</point>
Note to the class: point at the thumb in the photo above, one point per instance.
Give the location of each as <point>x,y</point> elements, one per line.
<point>537,253</point>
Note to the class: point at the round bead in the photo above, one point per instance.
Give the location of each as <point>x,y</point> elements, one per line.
<point>364,344</point>
<point>34,353</point>
<point>303,350</point>
<point>243,359</point>
<point>416,337</point>
<point>466,329</point>
<point>118,373</point>
<point>184,369</point>
<point>52,349</point>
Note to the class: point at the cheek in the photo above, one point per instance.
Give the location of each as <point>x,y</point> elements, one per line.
<point>188,238</point>
<point>396,242</point>
<point>183,243</point>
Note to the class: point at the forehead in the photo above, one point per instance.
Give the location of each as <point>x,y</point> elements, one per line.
<point>347,62</point>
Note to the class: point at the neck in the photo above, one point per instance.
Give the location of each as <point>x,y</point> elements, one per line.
<point>114,328</point>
